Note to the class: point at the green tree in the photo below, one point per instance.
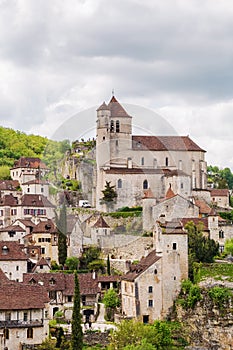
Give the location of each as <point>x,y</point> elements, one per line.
<point>47,344</point>
<point>72,263</point>
<point>108,266</point>
<point>200,248</point>
<point>228,247</point>
<point>61,222</point>
<point>77,333</point>
<point>111,302</point>
<point>109,195</point>
<point>4,172</point>
<point>90,254</point>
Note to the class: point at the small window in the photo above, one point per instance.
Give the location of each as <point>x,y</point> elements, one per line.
<point>145,184</point>
<point>112,126</point>
<point>25,316</point>
<point>174,246</point>
<point>181,185</point>
<point>221,234</point>
<point>155,271</point>
<point>174,278</point>
<point>119,183</point>
<point>103,138</point>
<point>30,333</point>
<point>117,126</point>
<point>166,161</point>
<point>6,333</point>
<point>17,268</point>
<point>28,189</point>
<point>42,250</point>
<point>142,161</point>
<point>150,303</point>
<point>69,298</point>
<point>116,142</point>
<point>150,289</point>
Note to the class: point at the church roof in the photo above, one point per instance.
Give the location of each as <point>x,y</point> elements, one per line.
<point>165,143</point>
<point>101,223</point>
<point>116,108</point>
<point>169,193</point>
<point>218,192</point>
<point>103,107</point>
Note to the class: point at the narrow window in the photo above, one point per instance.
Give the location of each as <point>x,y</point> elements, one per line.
<point>17,268</point>
<point>116,142</point>
<point>150,289</point>
<point>30,333</point>
<point>150,303</point>
<point>103,138</point>
<point>25,316</point>
<point>142,161</point>
<point>119,183</point>
<point>166,161</point>
<point>221,234</point>
<point>6,333</point>
<point>181,185</point>
<point>117,126</point>
<point>174,246</point>
<point>145,184</point>
<point>112,126</point>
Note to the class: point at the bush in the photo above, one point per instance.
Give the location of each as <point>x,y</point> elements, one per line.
<point>219,295</point>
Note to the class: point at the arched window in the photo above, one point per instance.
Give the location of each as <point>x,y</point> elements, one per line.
<point>142,161</point>
<point>145,184</point>
<point>112,126</point>
<point>117,126</point>
<point>119,183</point>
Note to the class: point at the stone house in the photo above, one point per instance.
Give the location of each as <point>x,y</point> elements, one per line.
<point>13,260</point>
<point>28,168</point>
<point>42,266</point>
<point>150,287</point>
<point>23,314</point>
<point>12,233</point>
<point>36,186</point>
<point>60,289</point>
<point>134,163</point>
<point>45,236</point>
<point>220,198</point>
<point>9,187</point>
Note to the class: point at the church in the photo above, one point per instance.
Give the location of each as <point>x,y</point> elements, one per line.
<point>136,164</point>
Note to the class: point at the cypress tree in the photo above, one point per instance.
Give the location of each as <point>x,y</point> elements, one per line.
<point>61,223</point>
<point>108,266</point>
<point>77,333</point>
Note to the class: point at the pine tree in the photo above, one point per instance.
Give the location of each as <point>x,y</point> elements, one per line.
<point>61,223</point>
<point>77,333</point>
<point>109,193</point>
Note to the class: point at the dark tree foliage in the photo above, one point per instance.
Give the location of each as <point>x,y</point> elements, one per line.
<point>61,222</point>
<point>200,248</point>
<point>109,193</point>
<point>90,254</point>
<point>108,266</point>
<point>77,333</point>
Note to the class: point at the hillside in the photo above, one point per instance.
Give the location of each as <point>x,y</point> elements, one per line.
<point>15,144</point>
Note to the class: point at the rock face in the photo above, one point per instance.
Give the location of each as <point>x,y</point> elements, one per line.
<point>208,326</point>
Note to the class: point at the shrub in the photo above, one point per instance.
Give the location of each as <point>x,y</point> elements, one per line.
<point>219,295</point>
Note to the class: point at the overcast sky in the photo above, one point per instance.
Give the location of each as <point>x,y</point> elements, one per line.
<point>59,58</point>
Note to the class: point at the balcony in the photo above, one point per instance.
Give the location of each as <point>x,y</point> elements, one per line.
<point>21,324</point>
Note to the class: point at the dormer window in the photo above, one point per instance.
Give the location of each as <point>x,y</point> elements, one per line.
<point>5,250</point>
<point>52,281</point>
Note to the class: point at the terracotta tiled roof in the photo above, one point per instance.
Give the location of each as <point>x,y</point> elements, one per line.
<point>103,107</point>
<point>13,228</point>
<point>41,262</point>
<point>176,172</point>
<point>64,282</point>
<point>29,162</point>
<point>172,227</point>
<point>204,208</point>
<point>148,194</point>
<point>19,296</point>
<point>116,108</point>
<point>35,200</point>
<point>169,193</point>
<point>135,171</point>
<point>27,223</point>
<point>163,143</point>
<point>11,250</point>
<point>111,278</point>
<point>36,182</point>
<point>3,278</point>
<point>45,227</point>
<point>10,185</point>
<point>215,192</point>
<point>142,266</point>
<point>101,223</point>
<point>197,221</point>
<point>9,201</point>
